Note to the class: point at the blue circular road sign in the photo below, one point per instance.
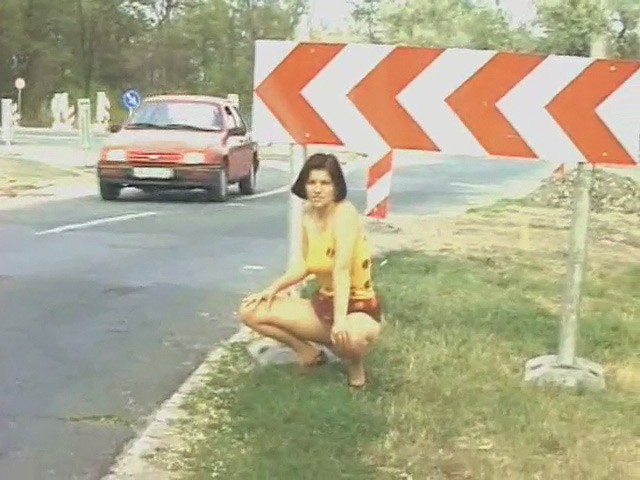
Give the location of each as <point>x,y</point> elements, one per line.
<point>131,99</point>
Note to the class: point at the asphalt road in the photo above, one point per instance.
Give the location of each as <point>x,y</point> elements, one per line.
<point>101,322</point>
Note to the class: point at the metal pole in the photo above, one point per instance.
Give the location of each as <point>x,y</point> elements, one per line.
<point>7,120</point>
<point>297,157</point>
<point>296,160</point>
<point>20,105</point>
<point>578,239</point>
<point>566,368</point>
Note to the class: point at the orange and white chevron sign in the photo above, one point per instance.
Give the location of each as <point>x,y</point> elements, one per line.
<point>379,99</point>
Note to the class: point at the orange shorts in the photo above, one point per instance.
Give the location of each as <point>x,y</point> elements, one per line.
<point>323,306</point>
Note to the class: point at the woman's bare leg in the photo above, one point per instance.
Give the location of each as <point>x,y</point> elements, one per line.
<point>362,330</point>
<point>291,321</point>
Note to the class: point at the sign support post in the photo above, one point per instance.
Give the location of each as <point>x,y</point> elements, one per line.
<point>566,368</point>
<point>297,157</point>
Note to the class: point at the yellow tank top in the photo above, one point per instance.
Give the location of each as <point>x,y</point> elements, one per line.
<point>320,260</point>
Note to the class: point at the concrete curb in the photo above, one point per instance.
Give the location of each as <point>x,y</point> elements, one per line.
<point>131,462</point>
<point>64,191</point>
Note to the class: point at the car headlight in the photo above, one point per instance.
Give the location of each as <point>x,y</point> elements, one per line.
<point>116,155</point>
<point>193,157</point>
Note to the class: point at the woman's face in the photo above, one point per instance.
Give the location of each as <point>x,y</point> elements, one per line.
<point>320,189</point>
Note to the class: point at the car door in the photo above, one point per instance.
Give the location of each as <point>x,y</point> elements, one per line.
<point>235,143</point>
<point>246,156</point>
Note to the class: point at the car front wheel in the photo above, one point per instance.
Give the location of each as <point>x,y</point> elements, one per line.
<point>109,191</point>
<point>218,191</point>
<point>248,183</point>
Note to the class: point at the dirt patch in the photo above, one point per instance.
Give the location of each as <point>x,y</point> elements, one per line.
<point>610,192</point>
<point>537,224</point>
<point>537,230</point>
<point>22,177</point>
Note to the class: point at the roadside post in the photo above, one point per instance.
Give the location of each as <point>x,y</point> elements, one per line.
<point>7,121</point>
<point>565,368</point>
<point>19,84</point>
<point>84,122</point>
<point>297,157</point>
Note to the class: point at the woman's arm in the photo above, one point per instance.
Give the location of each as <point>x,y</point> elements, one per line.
<point>346,231</point>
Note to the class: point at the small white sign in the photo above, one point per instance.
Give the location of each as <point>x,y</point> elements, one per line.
<point>20,83</point>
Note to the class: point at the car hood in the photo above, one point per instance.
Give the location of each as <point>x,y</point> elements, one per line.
<point>164,139</point>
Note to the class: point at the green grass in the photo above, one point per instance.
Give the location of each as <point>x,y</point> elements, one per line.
<point>445,397</point>
<point>18,175</point>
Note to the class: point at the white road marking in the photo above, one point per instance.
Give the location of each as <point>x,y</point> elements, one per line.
<point>475,186</point>
<point>275,191</point>
<point>253,267</point>
<point>99,221</point>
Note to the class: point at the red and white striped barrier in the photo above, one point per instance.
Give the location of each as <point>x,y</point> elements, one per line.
<point>377,99</point>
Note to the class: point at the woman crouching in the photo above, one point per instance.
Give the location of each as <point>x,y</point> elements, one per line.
<point>344,313</point>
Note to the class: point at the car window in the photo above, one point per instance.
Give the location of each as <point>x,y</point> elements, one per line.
<point>195,114</point>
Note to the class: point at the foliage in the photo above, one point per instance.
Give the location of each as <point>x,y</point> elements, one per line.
<point>207,46</point>
<point>83,46</point>
<point>561,27</point>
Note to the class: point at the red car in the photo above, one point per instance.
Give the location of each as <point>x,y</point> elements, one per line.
<point>180,142</point>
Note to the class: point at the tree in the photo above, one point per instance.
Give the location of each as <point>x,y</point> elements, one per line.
<point>366,15</point>
<point>569,26</point>
<point>625,31</point>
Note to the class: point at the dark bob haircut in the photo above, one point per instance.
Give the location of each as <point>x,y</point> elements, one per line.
<point>321,161</point>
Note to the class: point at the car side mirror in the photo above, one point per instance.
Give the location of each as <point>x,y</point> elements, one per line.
<point>237,131</point>
<point>114,127</point>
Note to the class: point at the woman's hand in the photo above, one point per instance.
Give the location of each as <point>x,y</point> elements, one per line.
<point>339,333</point>
<point>267,295</point>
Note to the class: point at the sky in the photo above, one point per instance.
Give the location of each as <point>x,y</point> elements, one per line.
<point>336,13</point>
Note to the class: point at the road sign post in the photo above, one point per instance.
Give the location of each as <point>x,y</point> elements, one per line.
<point>7,121</point>
<point>297,157</point>
<point>131,100</point>
<point>84,122</point>
<point>566,368</point>
<point>381,99</point>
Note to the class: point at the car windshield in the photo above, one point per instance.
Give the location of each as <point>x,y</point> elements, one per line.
<point>177,115</point>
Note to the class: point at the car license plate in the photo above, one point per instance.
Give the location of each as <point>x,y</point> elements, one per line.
<point>153,172</point>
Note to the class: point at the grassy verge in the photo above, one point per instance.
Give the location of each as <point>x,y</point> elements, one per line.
<point>445,398</point>
<point>19,176</point>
